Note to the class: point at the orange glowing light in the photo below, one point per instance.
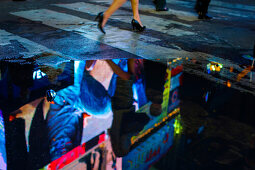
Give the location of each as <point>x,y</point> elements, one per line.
<point>11,118</point>
<point>231,69</point>
<point>142,134</point>
<point>85,115</point>
<point>243,73</point>
<point>228,84</point>
<point>85,119</point>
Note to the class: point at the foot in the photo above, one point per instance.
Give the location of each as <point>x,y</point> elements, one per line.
<point>137,26</point>
<point>204,16</point>
<point>162,9</point>
<point>100,19</point>
<point>200,16</point>
<point>207,17</point>
<point>137,19</point>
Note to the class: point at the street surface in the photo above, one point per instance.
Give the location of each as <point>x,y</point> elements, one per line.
<point>52,31</point>
<point>217,107</point>
<point>67,29</point>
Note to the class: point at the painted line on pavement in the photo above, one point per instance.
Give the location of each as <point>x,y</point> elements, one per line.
<point>30,48</point>
<point>152,22</point>
<point>183,15</point>
<point>220,4</point>
<point>219,10</point>
<point>128,41</point>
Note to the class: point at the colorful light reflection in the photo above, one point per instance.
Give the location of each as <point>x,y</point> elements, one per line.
<point>177,124</point>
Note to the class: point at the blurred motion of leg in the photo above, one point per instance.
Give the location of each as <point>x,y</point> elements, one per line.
<point>114,6</point>
<point>103,17</point>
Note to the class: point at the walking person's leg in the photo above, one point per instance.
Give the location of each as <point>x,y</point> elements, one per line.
<point>136,22</point>
<point>114,7</point>
<point>205,9</point>
<point>103,17</point>
<point>135,9</point>
<point>201,8</point>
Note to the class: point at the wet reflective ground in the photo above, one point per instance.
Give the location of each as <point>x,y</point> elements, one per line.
<point>184,113</point>
<point>67,28</point>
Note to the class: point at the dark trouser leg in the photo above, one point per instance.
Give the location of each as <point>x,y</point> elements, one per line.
<point>205,5</point>
<point>202,6</point>
<point>160,5</point>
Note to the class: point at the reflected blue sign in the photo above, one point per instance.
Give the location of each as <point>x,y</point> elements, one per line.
<point>2,144</point>
<point>151,150</point>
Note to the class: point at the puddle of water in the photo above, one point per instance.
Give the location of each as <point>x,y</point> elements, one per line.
<point>126,114</point>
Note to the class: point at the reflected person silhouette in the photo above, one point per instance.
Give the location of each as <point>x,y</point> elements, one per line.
<point>126,122</point>
<point>154,73</point>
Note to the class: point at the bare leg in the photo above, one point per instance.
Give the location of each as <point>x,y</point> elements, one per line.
<point>135,8</point>
<point>114,6</point>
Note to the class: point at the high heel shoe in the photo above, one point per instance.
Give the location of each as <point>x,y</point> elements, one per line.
<point>136,26</point>
<point>100,18</point>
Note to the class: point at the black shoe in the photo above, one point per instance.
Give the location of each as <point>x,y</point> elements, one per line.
<point>162,9</point>
<point>207,17</point>
<point>204,16</point>
<point>100,18</point>
<point>200,16</point>
<point>136,26</point>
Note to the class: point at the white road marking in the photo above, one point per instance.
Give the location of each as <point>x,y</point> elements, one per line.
<point>224,9</point>
<point>221,8</point>
<point>155,23</point>
<point>183,15</point>
<point>129,41</point>
<point>32,47</point>
<point>220,4</point>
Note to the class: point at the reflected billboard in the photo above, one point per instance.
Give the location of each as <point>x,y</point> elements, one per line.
<point>95,119</point>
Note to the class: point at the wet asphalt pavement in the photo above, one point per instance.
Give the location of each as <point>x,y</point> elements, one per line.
<point>67,29</point>
<point>216,118</point>
<point>217,103</point>
<point>218,133</point>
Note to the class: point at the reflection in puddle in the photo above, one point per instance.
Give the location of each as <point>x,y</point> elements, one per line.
<point>124,114</point>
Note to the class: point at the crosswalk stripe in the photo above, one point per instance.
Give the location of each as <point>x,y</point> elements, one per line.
<point>219,3</point>
<point>191,15</point>
<point>220,10</point>
<point>154,23</point>
<point>229,12</point>
<point>30,48</point>
<point>183,15</point>
<point>131,42</point>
